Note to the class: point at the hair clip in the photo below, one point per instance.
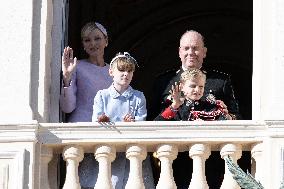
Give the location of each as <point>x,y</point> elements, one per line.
<point>124,55</point>
<point>102,28</point>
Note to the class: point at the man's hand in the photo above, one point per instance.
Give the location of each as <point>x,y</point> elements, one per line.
<point>224,109</point>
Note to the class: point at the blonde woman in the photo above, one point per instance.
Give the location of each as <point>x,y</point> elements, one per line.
<point>83,78</point>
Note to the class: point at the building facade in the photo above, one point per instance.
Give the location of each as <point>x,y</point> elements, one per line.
<point>32,136</point>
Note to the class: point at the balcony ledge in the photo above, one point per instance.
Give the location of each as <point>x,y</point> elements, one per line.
<point>152,132</point>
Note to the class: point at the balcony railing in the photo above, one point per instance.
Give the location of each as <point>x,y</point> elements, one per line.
<point>72,140</point>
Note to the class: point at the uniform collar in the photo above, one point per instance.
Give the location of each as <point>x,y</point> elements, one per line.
<point>182,68</point>
<point>127,94</point>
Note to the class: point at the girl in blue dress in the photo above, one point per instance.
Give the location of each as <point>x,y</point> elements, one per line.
<point>119,102</point>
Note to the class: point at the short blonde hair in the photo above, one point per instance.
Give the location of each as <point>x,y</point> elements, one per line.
<point>192,74</point>
<point>123,62</point>
<point>91,26</point>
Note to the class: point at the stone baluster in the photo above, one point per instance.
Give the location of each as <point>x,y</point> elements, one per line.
<point>72,154</point>
<point>199,153</point>
<point>166,153</point>
<point>136,154</point>
<point>46,156</point>
<point>256,153</point>
<point>235,152</point>
<point>104,154</point>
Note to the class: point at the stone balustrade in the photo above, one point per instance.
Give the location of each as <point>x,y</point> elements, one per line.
<point>166,153</point>
<point>166,139</point>
<point>72,154</point>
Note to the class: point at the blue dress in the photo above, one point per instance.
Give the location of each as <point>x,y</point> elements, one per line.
<point>116,105</point>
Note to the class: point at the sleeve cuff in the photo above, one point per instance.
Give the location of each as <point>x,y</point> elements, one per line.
<point>169,113</point>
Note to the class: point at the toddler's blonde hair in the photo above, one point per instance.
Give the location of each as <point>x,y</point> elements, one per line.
<point>192,74</point>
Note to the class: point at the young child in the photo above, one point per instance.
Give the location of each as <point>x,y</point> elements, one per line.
<point>120,102</point>
<point>186,100</point>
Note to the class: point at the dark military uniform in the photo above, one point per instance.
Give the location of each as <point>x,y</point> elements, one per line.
<point>192,110</point>
<point>217,83</point>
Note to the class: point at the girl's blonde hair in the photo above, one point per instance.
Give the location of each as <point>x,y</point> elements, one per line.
<point>124,62</point>
<point>192,74</point>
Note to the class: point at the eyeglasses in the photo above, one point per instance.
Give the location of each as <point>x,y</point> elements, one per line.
<point>124,55</point>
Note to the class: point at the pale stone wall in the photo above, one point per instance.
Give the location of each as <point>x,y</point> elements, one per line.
<point>30,48</point>
<point>268,60</point>
<point>15,49</point>
<point>19,156</point>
